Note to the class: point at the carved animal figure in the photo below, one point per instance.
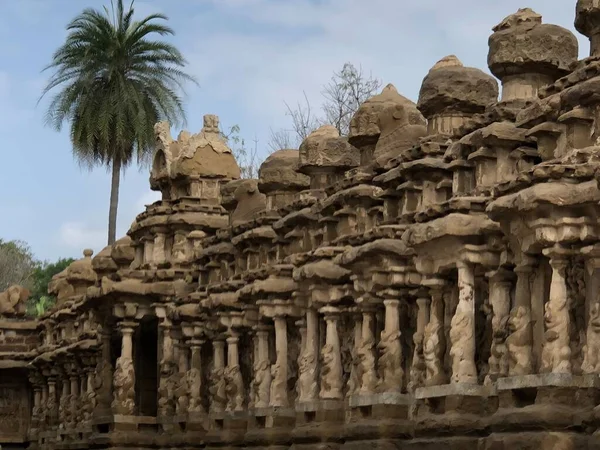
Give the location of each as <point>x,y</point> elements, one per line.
<point>12,301</point>
<point>418,368</point>
<point>234,388</point>
<point>331,373</point>
<point>278,394</point>
<point>217,390</point>
<point>433,353</point>
<point>307,381</point>
<point>556,353</point>
<point>390,362</point>
<point>261,384</point>
<point>124,383</point>
<point>591,350</point>
<point>518,342</point>
<point>194,382</point>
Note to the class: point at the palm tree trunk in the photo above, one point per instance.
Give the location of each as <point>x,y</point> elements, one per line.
<point>114,201</point>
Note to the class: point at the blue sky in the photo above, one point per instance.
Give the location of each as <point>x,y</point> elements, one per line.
<point>249,56</point>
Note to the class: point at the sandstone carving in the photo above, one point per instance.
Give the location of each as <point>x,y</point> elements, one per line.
<point>428,281</point>
<point>12,301</point>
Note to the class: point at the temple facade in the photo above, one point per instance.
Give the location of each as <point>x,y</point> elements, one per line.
<point>430,281</point>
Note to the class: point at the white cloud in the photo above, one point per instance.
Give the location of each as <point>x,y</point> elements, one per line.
<point>294,46</point>
<point>79,236</point>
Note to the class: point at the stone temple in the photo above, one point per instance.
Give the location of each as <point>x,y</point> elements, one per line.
<point>432,281</point>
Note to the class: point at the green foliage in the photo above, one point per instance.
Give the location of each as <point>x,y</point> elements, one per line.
<point>115,83</point>
<point>17,264</point>
<point>40,300</point>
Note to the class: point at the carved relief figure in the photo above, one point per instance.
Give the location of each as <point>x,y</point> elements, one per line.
<point>518,342</point>
<point>433,353</point>
<point>368,373</point>
<point>331,373</point>
<point>262,383</point>
<point>217,390</point>
<point>498,360</point>
<point>234,388</point>
<point>166,390</point>
<point>390,362</point>
<point>591,350</point>
<point>355,373</point>
<point>103,382</point>
<point>194,382</point>
<point>12,301</point>
<point>463,346</point>
<point>278,393</point>
<point>556,353</point>
<point>307,377</point>
<point>418,368</point>
<point>124,383</point>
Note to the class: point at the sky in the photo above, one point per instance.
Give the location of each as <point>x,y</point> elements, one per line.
<point>249,57</point>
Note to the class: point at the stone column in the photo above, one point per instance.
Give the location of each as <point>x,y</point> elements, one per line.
<point>279,371</point>
<point>391,373</point>
<point>556,352</point>
<point>417,370</point>
<point>182,389</point>
<point>63,403</point>
<point>169,372</point>
<point>331,371</point>
<point>462,328</point>
<point>499,292</point>
<point>75,400</point>
<point>233,375</point>
<point>91,395</point>
<point>124,376</point>
<point>368,371</point>
<point>194,376</point>
<point>218,396</point>
<point>262,368</point>
<point>103,378</point>
<point>44,406</point>
<point>36,381</point>
<point>519,343</point>
<point>591,349</point>
<point>307,369</point>
<point>434,340</point>
<point>355,378</point>
<point>52,405</point>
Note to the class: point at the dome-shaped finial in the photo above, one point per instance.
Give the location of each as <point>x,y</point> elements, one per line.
<point>448,61</point>
<point>88,252</point>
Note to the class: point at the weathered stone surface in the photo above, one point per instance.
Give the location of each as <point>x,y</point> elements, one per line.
<point>325,148</point>
<point>522,44</point>
<point>280,172</point>
<point>449,87</point>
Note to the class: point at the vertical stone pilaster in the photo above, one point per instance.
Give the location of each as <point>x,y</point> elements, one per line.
<point>500,286</point>
<point>307,379</point>
<point>331,371</point>
<point>462,328</point>
<point>124,375</point>
<point>417,370</point>
<point>279,371</point>
<point>391,373</point>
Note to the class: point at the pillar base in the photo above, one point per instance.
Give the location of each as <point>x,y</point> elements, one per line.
<point>453,408</point>
<point>545,400</point>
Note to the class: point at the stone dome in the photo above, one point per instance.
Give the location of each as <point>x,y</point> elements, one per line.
<point>325,148</point>
<point>522,44</point>
<point>449,87</point>
<point>82,269</point>
<point>364,126</point>
<point>280,172</point>
<point>587,17</point>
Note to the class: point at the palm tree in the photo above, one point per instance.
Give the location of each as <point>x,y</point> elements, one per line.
<point>115,82</point>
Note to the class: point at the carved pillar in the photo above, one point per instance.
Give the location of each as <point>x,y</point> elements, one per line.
<point>417,370</point>
<point>434,341</point>
<point>356,370</point>
<point>124,376</point>
<point>52,405</point>
<point>307,378</point>
<point>194,377</point>
<point>331,371</point>
<point>75,400</point>
<point>181,391</point>
<point>556,352</point>
<point>519,343</point>
<point>44,418</point>
<point>103,378</point>
<point>36,381</point>
<point>217,378</point>
<point>63,402</point>
<point>261,385</point>
<point>279,371</point>
<point>499,291</point>
<point>390,361</point>
<point>91,395</point>
<point>368,383</point>
<point>462,328</point>
<point>591,349</point>
<point>233,375</point>
<point>169,372</point>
